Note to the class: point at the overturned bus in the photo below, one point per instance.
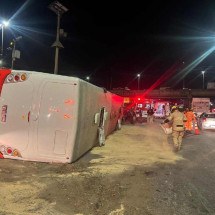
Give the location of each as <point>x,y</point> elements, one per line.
<point>53,118</point>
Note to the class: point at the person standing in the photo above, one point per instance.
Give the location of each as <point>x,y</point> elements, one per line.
<point>190,119</point>
<point>150,115</point>
<point>178,118</point>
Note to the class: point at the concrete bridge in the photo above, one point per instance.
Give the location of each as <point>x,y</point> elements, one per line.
<point>167,93</point>
<point>185,95</point>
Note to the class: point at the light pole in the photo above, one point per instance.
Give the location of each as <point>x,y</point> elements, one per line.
<point>138,81</point>
<point>15,53</point>
<point>59,9</point>
<point>2,25</point>
<point>203,79</point>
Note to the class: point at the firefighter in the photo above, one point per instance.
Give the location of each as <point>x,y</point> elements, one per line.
<point>190,119</point>
<point>178,118</point>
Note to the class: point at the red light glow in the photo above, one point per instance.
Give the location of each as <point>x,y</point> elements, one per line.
<point>67,116</point>
<point>69,102</point>
<point>163,78</point>
<point>3,74</point>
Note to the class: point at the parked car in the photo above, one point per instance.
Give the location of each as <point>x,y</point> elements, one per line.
<point>206,121</point>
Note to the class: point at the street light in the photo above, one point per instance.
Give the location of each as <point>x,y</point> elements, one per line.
<point>2,25</point>
<point>203,79</point>
<point>138,81</point>
<point>88,78</point>
<point>59,9</point>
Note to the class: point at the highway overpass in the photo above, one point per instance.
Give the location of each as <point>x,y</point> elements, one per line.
<point>167,93</point>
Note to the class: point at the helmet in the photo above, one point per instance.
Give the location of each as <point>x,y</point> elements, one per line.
<point>181,108</point>
<point>174,107</point>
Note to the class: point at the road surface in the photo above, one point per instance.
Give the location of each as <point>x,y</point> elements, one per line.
<point>135,173</point>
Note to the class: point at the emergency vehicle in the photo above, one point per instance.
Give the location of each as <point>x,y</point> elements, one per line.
<point>53,118</point>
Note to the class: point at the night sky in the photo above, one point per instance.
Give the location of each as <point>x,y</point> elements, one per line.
<point>113,42</point>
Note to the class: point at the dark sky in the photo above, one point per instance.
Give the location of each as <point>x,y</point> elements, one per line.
<point>112,42</point>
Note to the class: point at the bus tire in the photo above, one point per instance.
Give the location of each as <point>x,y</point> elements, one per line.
<point>119,124</point>
<point>101,137</point>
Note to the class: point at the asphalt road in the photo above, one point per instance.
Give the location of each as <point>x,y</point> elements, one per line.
<point>135,173</point>
<point>188,186</point>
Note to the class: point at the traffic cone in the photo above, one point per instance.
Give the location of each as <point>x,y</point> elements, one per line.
<point>196,129</point>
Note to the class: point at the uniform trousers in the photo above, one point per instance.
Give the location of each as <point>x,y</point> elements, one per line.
<point>177,138</point>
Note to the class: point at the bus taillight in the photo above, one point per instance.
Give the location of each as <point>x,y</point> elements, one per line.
<point>23,77</point>
<point>9,78</point>
<point>17,77</point>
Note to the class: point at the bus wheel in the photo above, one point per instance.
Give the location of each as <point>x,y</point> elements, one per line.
<point>101,137</point>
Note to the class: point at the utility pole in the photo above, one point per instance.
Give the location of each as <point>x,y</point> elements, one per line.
<point>138,81</point>
<point>15,53</point>
<point>2,40</point>
<point>59,9</point>
<point>203,80</point>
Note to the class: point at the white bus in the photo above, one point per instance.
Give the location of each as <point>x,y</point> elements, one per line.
<point>53,118</point>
